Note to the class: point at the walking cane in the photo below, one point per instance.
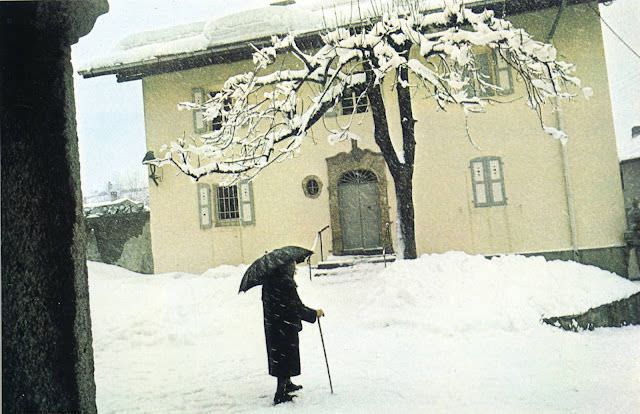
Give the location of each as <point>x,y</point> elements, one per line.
<point>325,355</point>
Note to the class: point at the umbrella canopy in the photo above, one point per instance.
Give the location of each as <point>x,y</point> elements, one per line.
<point>269,262</point>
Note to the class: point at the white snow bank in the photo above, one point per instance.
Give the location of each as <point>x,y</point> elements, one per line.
<point>440,334</point>
<point>457,292</point>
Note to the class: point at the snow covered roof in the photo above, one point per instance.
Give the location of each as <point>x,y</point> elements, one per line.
<point>225,34</point>
<point>196,44</point>
<point>629,146</point>
<point>148,47</point>
<point>119,206</point>
<point>629,150</point>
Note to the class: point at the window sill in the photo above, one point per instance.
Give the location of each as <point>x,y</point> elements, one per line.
<point>228,223</point>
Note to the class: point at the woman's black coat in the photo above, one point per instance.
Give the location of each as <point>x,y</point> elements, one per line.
<point>283,311</point>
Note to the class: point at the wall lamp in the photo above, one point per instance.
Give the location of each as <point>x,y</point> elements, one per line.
<point>153,169</point>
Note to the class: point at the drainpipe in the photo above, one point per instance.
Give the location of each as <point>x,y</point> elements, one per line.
<point>567,182</point>
<point>565,153</point>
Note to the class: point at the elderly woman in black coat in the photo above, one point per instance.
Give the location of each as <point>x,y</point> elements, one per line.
<point>283,315</point>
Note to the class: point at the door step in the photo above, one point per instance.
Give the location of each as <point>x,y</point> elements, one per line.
<point>334,262</point>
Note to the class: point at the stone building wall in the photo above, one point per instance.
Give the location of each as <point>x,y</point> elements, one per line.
<point>121,239</point>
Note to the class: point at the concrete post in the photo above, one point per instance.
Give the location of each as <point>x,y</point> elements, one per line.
<point>47,355</point>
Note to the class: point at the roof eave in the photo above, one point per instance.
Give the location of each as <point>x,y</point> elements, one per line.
<point>189,60</point>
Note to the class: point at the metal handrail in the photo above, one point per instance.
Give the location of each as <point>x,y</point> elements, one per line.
<point>384,246</point>
<point>320,237</point>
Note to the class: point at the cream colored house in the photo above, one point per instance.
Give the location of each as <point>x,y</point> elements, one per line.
<point>518,191</point>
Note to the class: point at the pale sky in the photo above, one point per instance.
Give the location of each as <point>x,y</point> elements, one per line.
<point>110,114</point>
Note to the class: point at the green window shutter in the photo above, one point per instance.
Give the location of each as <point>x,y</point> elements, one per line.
<point>484,64</point>
<point>487,181</point>
<point>247,213</point>
<point>198,97</point>
<point>470,87</point>
<point>496,178</point>
<point>480,197</point>
<point>204,206</point>
<point>503,74</point>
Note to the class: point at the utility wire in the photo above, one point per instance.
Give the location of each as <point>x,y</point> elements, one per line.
<point>613,31</point>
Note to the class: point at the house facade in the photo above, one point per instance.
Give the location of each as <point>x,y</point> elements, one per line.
<point>513,190</point>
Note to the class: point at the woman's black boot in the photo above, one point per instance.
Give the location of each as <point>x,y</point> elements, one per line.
<point>282,397</point>
<point>291,387</point>
<point>281,392</point>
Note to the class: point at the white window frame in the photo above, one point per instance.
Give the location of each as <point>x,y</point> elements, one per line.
<point>245,214</point>
<point>359,101</point>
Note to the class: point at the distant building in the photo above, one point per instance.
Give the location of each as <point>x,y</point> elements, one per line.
<point>136,195</point>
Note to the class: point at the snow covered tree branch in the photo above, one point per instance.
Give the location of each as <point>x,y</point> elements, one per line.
<point>266,114</point>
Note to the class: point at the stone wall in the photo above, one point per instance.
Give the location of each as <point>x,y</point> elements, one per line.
<point>630,172</point>
<point>615,314</point>
<point>121,239</point>
<point>612,259</point>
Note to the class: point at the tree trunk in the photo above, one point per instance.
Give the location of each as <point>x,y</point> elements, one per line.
<point>401,170</point>
<point>406,221</point>
<point>404,177</point>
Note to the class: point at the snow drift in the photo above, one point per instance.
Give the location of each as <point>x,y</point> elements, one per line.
<point>443,333</point>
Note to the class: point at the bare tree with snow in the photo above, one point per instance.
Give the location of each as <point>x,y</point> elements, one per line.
<point>266,114</point>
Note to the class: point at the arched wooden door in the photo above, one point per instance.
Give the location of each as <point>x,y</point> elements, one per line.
<point>359,211</point>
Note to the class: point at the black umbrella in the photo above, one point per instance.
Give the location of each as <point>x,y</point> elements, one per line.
<point>269,262</point>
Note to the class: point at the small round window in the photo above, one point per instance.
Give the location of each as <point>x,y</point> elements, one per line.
<point>312,186</point>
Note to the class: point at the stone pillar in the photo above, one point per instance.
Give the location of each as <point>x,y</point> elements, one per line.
<point>47,355</point>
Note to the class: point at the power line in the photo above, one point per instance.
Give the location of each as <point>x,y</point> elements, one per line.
<point>613,31</point>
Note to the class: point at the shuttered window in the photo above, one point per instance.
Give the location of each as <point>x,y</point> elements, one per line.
<point>487,180</point>
<point>234,204</point>
<point>216,123</point>
<point>200,124</point>
<point>494,70</point>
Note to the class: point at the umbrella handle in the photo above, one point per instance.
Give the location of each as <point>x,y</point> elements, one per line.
<point>325,355</point>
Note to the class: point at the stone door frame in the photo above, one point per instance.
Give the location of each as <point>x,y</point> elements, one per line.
<point>357,159</point>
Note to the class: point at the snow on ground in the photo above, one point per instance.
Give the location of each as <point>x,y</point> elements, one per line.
<point>444,333</point>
